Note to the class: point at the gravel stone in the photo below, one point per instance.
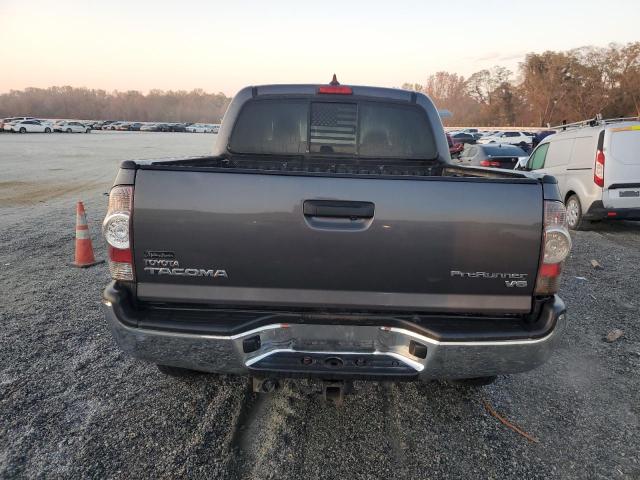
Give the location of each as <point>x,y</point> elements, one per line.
<point>614,335</point>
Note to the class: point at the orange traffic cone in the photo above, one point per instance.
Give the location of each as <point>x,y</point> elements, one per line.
<point>84,249</point>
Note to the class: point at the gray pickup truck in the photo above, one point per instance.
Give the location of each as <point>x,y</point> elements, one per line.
<point>329,236</point>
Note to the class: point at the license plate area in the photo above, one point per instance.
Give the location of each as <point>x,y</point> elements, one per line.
<point>629,193</point>
<point>333,364</point>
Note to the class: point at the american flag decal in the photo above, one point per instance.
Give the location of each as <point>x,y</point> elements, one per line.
<point>333,124</point>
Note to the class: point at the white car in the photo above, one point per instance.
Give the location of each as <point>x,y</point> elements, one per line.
<point>199,128</point>
<point>491,133</point>
<point>597,166</point>
<point>6,121</point>
<point>71,127</point>
<point>27,126</point>
<point>513,138</point>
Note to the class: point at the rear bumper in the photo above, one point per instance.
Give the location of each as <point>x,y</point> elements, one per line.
<point>330,350</point>
<point>597,211</point>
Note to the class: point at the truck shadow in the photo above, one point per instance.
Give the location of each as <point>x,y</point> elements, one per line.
<point>385,430</point>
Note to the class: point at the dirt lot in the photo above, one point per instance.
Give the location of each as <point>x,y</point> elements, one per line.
<point>71,405</point>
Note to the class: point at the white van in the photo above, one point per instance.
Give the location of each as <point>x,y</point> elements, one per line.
<point>597,166</point>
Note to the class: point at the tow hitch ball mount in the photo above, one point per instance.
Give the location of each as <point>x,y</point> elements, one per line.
<point>333,391</point>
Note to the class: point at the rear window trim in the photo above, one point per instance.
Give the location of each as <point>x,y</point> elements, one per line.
<point>357,99</point>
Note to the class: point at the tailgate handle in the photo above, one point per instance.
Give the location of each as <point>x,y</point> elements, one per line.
<point>338,208</point>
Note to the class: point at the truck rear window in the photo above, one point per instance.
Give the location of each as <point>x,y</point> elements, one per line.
<point>363,129</point>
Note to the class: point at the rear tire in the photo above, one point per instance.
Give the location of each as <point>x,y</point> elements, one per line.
<point>22,130</point>
<point>475,382</point>
<point>47,130</point>
<point>68,130</point>
<point>574,213</point>
<point>178,372</point>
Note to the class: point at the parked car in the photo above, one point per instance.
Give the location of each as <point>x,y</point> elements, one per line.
<point>538,137</point>
<point>112,125</point>
<point>155,127</point>
<point>3,121</point>
<point>492,155</point>
<point>106,125</point>
<point>128,126</point>
<point>597,166</point>
<point>514,138</point>
<point>70,127</point>
<point>6,120</point>
<point>491,133</point>
<point>463,137</point>
<point>27,126</point>
<point>13,120</point>
<point>332,238</point>
<point>199,128</point>
<point>454,148</point>
<point>177,127</point>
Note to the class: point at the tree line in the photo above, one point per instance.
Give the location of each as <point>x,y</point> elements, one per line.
<point>548,88</point>
<point>90,104</point>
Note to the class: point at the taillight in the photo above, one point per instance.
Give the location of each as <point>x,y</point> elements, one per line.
<point>598,171</point>
<point>489,163</point>
<point>116,230</point>
<point>335,90</point>
<point>556,248</point>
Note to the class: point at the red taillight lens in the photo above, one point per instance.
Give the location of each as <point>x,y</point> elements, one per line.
<point>116,230</point>
<point>598,171</point>
<point>119,255</point>
<point>335,90</point>
<point>489,163</point>
<point>551,269</point>
<point>548,281</point>
<point>556,248</point>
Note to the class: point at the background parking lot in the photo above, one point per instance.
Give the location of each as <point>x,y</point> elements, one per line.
<point>72,405</point>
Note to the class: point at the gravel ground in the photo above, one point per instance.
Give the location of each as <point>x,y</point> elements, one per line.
<point>71,405</point>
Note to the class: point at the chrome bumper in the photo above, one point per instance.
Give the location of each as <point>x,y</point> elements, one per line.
<point>351,344</point>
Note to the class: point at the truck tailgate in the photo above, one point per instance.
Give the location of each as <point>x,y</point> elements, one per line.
<point>294,241</point>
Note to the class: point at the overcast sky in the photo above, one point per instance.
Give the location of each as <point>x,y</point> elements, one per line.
<point>222,46</point>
